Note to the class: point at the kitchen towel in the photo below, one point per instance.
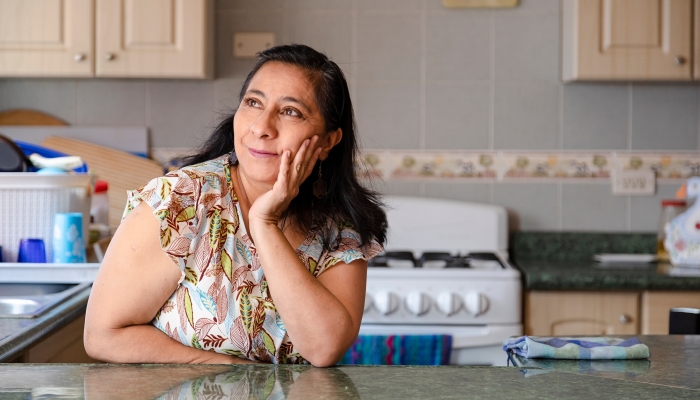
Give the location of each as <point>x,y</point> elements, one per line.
<point>583,348</point>
<point>399,350</point>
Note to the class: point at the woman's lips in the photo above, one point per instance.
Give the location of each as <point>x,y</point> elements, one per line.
<point>261,154</point>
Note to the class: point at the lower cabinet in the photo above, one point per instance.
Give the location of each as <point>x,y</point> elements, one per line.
<point>656,307</point>
<point>564,313</point>
<point>62,346</point>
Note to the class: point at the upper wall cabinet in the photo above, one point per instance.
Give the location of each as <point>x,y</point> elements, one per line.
<point>107,38</point>
<point>46,37</point>
<point>627,40</point>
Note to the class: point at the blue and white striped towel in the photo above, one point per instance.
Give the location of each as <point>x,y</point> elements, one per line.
<point>584,348</point>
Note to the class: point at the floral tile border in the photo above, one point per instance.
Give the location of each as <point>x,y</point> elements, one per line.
<point>519,165</point>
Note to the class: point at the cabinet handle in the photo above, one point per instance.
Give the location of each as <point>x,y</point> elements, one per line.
<point>78,57</point>
<point>110,56</point>
<point>680,60</point>
<point>625,319</point>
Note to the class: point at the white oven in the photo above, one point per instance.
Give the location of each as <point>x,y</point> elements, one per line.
<point>446,272</point>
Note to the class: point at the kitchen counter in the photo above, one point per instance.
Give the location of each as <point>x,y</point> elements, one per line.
<point>19,334</point>
<point>671,372</point>
<point>674,362</point>
<point>590,275</point>
<point>564,261</point>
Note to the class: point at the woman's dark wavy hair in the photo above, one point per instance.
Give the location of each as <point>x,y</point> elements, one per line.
<point>346,200</point>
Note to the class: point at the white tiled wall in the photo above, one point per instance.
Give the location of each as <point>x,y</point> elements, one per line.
<point>422,77</point>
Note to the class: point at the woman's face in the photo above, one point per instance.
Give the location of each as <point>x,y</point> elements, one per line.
<point>278,112</point>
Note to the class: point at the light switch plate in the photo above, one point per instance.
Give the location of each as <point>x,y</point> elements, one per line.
<point>633,182</point>
<point>248,44</point>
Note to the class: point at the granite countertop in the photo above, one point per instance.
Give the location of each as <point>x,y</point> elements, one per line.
<point>564,261</point>
<point>19,334</point>
<point>670,373</point>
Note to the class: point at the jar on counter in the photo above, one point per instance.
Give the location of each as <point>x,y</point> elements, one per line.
<point>669,210</point>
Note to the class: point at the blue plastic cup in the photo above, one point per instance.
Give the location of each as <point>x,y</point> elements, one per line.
<point>68,239</point>
<point>32,251</point>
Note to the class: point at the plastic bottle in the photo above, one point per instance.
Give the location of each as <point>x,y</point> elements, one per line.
<point>669,210</point>
<point>99,212</point>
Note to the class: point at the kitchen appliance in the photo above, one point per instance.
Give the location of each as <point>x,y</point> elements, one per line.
<point>446,271</point>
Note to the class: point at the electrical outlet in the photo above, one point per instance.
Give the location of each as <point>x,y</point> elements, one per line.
<point>247,44</point>
<point>635,183</point>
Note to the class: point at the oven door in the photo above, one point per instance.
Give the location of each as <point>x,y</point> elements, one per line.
<point>471,345</point>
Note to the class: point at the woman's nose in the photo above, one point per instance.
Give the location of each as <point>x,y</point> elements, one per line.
<point>265,124</point>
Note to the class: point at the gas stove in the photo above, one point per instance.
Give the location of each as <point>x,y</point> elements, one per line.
<point>437,260</point>
<point>446,271</point>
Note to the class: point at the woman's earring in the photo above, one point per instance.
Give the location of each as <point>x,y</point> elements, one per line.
<point>320,188</point>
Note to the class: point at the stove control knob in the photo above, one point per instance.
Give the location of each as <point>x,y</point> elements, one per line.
<point>417,303</point>
<point>476,303</point>
<point>386,302</point>
<point>368,302</point>
<point>449,303</point>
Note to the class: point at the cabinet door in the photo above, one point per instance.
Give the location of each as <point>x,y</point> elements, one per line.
<point>627,39</point>
<point>656,307</point>
<point>581,313</point>
<point>46,37</point>
<point>154,38</point>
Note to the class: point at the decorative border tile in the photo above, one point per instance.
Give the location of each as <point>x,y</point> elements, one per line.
<point>506,165</point>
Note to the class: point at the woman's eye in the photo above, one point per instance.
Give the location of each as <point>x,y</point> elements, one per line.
<point>291,112</point>
<point>252,103</point>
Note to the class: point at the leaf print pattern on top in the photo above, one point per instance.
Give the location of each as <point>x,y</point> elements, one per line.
<point>222,302</point>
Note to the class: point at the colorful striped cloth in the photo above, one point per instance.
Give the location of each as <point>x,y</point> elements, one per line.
<point>584,348</point>
<point>399,350</point>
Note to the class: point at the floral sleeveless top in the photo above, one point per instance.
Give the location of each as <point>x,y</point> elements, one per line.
<point>222,302</point>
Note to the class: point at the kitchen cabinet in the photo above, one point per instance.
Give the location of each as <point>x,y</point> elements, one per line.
<point>63,346</point>
<point>107,38</point>
<point>564,313</point>
<point>629,40</point>
<point>656,306</point>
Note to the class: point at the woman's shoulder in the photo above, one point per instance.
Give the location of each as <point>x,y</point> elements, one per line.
<point>185,186</point>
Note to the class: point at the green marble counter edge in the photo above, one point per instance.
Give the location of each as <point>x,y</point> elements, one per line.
<point>564,261</point>
<point>39,328</point>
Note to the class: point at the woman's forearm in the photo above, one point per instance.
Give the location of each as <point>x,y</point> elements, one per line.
<point>311,313</point>
<point>147,344</point>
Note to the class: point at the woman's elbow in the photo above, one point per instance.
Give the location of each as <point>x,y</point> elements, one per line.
<point>323,359</point>
<point>94,341</point>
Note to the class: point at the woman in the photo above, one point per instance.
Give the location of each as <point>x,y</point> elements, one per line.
<point>254,255</point>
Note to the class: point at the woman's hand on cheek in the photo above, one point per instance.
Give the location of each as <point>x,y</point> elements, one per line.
<point>269,207</point>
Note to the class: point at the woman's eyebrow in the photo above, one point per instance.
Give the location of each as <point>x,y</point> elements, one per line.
<point>294,100</point>
<point>256,92</point>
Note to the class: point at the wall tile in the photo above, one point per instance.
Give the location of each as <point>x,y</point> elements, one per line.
<point>462,191</point>
<point>398,188</point>
<point>646,211</point>
<point>592,207</point>
<point>249,4</point>
<point>457,115</point>
<point>318,5</point>
<point>228,22</point>
<point>457,46</point>
<point>388,114</point>
<point>665,117</point>
<point>3,91</point>
<point>111,102</point>
<point>595,116</point>
<point>388,45</point>
<point>526,115</point>
<point>530,207</point>
<point>527,46</point>
<point>226,94</point>
<point>181,112</point>
<point>534,5</point>
<point>52,96</point>
<point>329,32</point>
<point>389,5</point>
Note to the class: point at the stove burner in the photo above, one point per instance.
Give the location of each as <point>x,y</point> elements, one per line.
<point>436,260</point>
<point>395,258</point>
